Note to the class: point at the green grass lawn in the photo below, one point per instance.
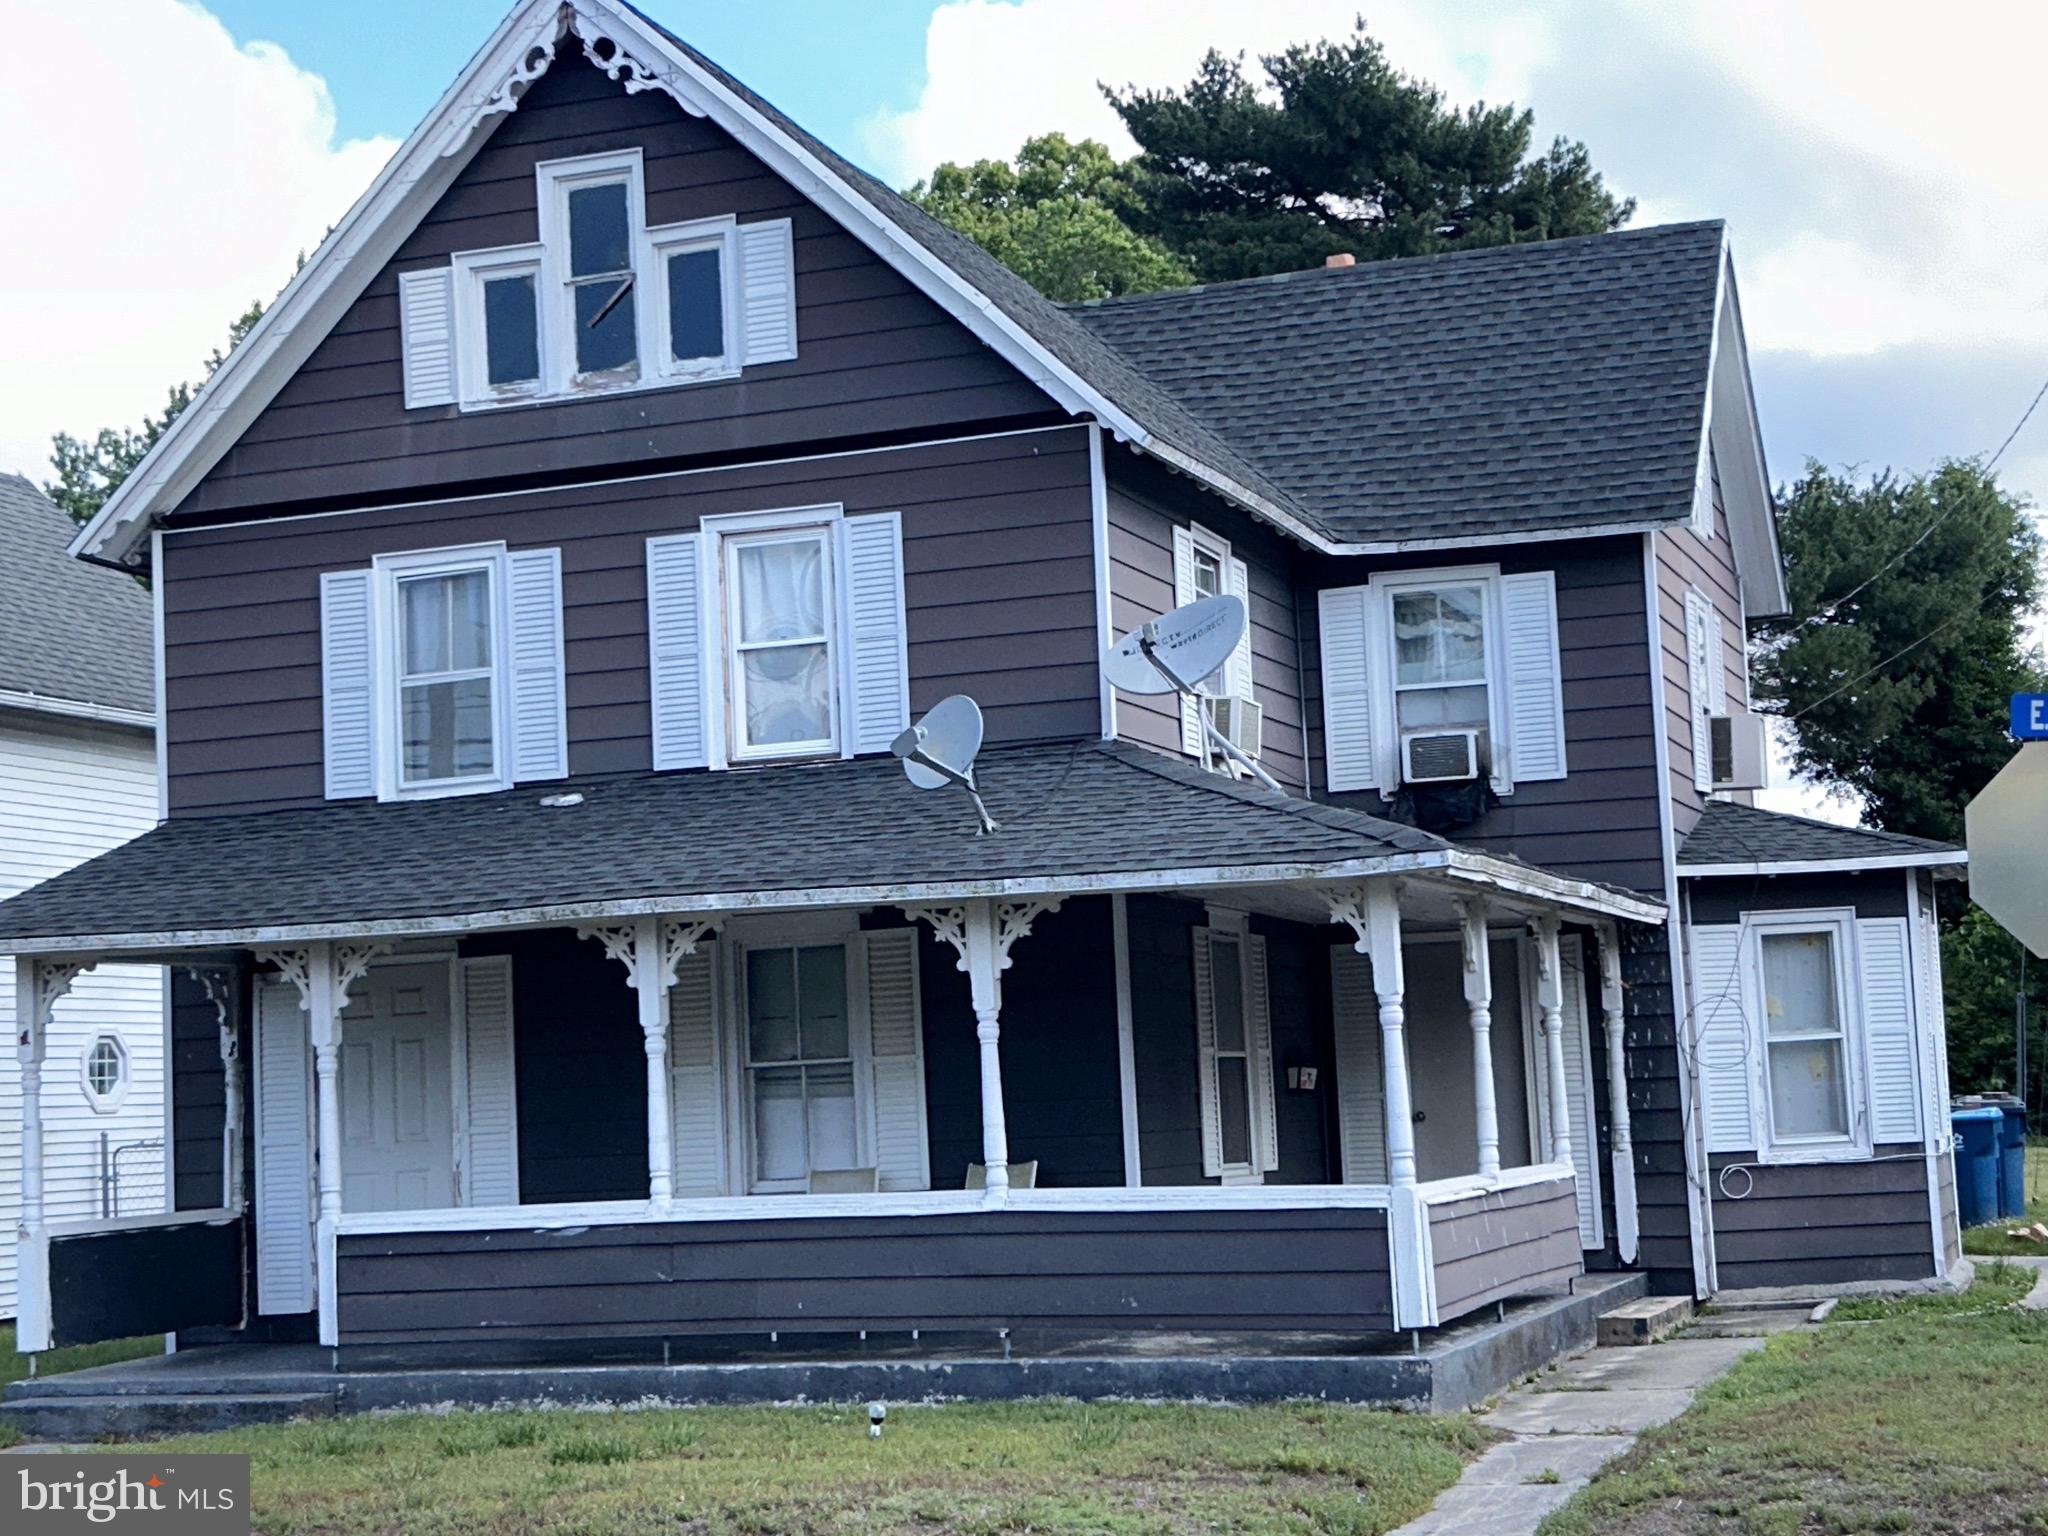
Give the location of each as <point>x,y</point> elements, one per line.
<point>1990,1239</point>
<point>1932,1416</point>
<point>986,1468</point>
<point>14,1366</point>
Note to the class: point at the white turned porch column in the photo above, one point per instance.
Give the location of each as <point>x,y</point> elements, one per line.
<point>1550,1009</point>
<point>651,948</point>
<point>220,986</point>
<point>322,973</point>
<point>1479,1008</point>
<point>983,931</point>
<point>1612,1010</point>
<point>37,986</point>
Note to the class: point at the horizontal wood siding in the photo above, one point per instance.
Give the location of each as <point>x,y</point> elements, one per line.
<point>198,1096</point>
<point>1062,1095</point>
<point>1684,561</point>
<point>1506,1243</point>
<point>1011,1269</point>
<point>875,355</point>
<point>1163,1037</point>
<point>1146,503</point>
<point>998,581</point>
<point>1601,820</point>
<point>1823,1223</point>
<point>116,1285</point>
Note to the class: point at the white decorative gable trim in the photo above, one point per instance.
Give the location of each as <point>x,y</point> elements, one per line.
<point>525,45</point>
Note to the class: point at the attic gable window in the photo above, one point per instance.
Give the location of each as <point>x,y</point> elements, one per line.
<point>601,302</point>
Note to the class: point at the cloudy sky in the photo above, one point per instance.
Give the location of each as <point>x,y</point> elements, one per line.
<point>1877,164</point>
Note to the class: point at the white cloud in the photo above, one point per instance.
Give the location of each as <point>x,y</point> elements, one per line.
<point>159,178</point>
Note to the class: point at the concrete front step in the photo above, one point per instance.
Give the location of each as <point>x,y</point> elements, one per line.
<point>1644,1320</point>
<point>112,1416</point>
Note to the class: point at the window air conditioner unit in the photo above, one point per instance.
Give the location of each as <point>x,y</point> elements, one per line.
<point>1239,721</point>
<point>1439,757</point>
<point>1741,751</point>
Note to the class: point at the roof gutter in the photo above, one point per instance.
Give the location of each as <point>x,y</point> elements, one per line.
<point>77,709</point>
<point>1937,858</point>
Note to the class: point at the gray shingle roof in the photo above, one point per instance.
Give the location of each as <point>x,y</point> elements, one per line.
<point>1546,386</point>
<point>68,631</point>
<point>1069,810</point>
<point>1741,834</point>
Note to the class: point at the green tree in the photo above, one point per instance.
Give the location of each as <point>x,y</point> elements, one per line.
<point>1910,596</point>
<point>1054,217</point>
<point>1343,152</point>
<point>89,470</point>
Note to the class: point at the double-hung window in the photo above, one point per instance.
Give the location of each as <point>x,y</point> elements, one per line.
<point>444,643</point>
<point>1233,1030</point>
<point>1439,644</point>
<point>1808,1048</point>
<point>590,224</point>
<point>800,1079</point>
<point>779,643</point>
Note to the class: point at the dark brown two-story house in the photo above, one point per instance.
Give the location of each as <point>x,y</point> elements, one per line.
<point>540,590</point>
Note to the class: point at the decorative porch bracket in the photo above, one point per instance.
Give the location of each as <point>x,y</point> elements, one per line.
<point>983,931</point>
<point>322,973</point>
<point>38,985</point>
<point>1479,1010</point>
<point>652,949</point>
<point>1372,911</point>
<point>1611,1014</point>
<point>1550,1010</point>
<point>218,982</point>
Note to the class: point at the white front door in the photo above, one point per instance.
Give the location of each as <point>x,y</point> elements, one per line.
<point>397,1099</point>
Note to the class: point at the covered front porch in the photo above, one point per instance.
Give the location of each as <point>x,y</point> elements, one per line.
<point>1355,1097</point>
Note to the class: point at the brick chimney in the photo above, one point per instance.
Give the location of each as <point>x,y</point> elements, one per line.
<point>1341,259</point>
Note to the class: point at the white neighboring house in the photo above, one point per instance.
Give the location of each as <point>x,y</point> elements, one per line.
<point>77,776</point>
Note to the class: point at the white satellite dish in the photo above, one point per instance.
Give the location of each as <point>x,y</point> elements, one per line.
<point>1175,652</point>
<point>940,749</point>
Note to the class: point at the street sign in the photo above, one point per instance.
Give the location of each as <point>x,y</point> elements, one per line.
<point>2030,716</point>
<point>2008,835</point>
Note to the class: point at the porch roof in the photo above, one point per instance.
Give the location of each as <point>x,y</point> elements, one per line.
<point>1731,839</point>
<point>1096,815</point>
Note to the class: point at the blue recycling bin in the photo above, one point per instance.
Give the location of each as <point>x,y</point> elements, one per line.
<point>2012,1154</point>
<point>1978,1131</point>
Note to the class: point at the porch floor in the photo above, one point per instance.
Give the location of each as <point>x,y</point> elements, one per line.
<point>220,1386</point>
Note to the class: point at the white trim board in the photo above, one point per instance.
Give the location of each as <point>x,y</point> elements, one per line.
<point>1933,859</point>
<point>1476,869</point>
<point>78,709</point>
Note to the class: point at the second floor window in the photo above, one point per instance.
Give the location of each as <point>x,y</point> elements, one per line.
<point>779,622</point>
<point>446,677</point>
<point>1440,659</point>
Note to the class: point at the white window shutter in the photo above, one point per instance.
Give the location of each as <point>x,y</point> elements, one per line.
<point>1205,1055</point>
<point>877,664</point>
<point>1535,676</point>
<point>1349,759</point>
<point>696,1101</point>
<point>1717,662</point>
<point>1721,1025</point>
<point>348,684</point>
<point>1887,986</point>
<point>896,1046</point>
<point>767,292</point>
<point>1361,1085</point>
<point>1578,1077</point>
<point>1238,673</point>
<point>1699,687</point>
<point>426,329</point>
<point>1259,1018</point>
<point>491,1172</point>
<point>284,1155</point>
<point>540,714</point>
<point>1183,594</point>
<point>675,650</point>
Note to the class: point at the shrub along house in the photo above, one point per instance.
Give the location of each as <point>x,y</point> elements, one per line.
<point>543,581</point>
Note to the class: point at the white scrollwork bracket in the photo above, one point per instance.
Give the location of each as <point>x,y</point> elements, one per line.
<point>1010,921</point>
<point>678,937</point>
<point>52,979</point>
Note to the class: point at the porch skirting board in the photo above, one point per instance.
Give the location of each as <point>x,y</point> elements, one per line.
<point>1324,1270</point>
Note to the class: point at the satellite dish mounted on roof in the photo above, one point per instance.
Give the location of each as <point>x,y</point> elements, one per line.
<point>1175,652</point>
<point>939,750</point>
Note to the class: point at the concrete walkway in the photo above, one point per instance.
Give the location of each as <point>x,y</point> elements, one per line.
<point>1568,1424</point>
